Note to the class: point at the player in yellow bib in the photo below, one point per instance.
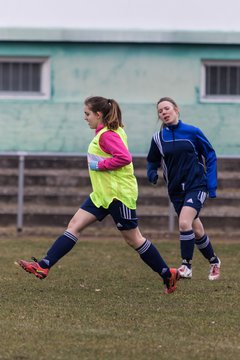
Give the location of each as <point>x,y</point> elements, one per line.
<point>114,193</point>
<point>117,183</point>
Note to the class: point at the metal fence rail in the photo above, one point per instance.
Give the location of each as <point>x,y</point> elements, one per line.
<point>22,155</point>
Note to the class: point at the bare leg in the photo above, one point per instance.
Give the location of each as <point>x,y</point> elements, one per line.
<point>133,237</point>
<point>198,228</point>
<point>80,221</point>
<point>186,218</point>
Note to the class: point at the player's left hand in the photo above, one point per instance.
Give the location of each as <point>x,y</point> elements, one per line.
<point>212,194</point>
<point>93,165</point>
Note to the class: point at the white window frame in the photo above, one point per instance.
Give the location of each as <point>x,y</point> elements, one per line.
<point>216,98</point>
<point>44,92</point>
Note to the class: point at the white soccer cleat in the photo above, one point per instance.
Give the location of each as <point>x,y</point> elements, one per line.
<point>214,273</point>
<point>185,272</point>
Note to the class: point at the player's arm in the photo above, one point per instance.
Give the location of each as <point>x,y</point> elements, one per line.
<point>153,163</point>
<point>111,143</point>
<point>206,149</point>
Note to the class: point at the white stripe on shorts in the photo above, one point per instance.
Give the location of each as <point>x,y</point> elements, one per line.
<point>202,196</point>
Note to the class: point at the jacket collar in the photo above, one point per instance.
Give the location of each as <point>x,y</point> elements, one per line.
<point>173,127</point>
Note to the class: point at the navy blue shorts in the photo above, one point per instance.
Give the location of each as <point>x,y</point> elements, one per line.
<point>193,198</point>
<point>124,218</point>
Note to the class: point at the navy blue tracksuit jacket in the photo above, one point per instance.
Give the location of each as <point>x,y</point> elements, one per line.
<point>186,157</point>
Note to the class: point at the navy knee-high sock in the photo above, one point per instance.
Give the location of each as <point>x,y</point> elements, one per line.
<point>205,246</point>
<point>187,241</point>
<point>151,256</point>
<point>59,248</point>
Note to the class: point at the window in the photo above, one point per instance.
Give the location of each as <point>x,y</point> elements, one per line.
<point>24,78</point>
<point>220,81</point>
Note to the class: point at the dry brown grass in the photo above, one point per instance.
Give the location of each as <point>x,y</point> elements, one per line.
<point>102,303</point>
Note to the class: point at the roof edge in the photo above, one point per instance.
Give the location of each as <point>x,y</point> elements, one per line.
<point>119,35</point>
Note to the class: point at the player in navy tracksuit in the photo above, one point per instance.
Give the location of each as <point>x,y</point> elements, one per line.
<point>189,167</point>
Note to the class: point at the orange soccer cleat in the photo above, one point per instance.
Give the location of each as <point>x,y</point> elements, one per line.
<point>170,283</point>
<point>34,268</point>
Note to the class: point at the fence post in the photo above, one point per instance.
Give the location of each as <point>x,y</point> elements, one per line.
<point>21,166</point>
<point>171,218</point>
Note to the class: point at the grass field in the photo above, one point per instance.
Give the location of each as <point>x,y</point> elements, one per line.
<point>101,302</point>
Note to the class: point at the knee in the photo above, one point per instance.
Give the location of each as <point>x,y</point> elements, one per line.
<point>184,225</point>
<point>73,227</point>
<point>198,233</point>
<point>130,242</point>
<point>133,238</point>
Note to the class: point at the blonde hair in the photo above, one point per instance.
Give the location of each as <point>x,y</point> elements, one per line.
<point>166,98</point>
<point>112,115</point>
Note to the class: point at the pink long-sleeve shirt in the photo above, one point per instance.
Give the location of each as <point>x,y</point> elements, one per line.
<point>111,143</point>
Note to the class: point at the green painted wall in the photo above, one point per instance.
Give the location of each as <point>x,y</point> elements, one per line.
<point>136,75</point>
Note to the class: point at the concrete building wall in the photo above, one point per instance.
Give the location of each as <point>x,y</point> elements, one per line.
<point>136,75</point>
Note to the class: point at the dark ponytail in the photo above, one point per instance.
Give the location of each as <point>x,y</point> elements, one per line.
<point>112,116</point>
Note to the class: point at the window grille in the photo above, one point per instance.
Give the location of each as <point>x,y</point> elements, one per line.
<point>24,77</point>
<point>221,80</point>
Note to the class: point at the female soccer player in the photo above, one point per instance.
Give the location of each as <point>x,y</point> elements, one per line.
<point>114,192</point>
<point>189,167</point>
